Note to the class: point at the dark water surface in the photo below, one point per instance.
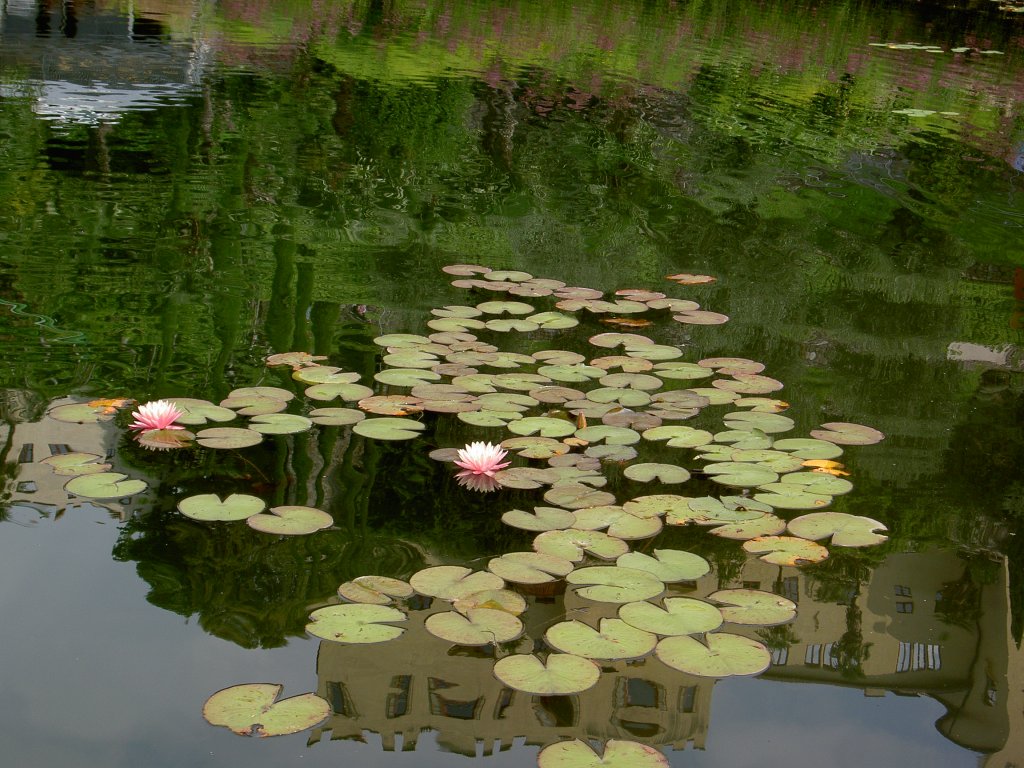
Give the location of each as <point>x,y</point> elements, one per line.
<point>188,188</point>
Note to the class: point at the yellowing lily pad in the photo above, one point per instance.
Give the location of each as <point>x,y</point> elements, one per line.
<point>617,754</point>
<point>104,485</point>
<point>389,428</point>
<point>497,599</point>
<point>356,623</point>
<point>376,590</point>
<point>844,433</point>
<point>667,565</point>
<point>618,522</point>
<point>721,655</point>
<point>75,463</point>
<point>680,616</point>
<point>451,582</point>
<point>294,359</point>
<point>208,507</point>
<point>561,674</point>
<point>577,496</point>
<point>544,426</point>
<point>786,550</point>
<point>479,626</point>
<point>529,567</point>
<point>753,606</point>
<point>614,583</point>
<point>253,710</point>
<point>679,436</point>
<point>845,530</point>
<point>572,545</point>
<point>81,413</point>
<point>291,521</point>
<point>614,640</point>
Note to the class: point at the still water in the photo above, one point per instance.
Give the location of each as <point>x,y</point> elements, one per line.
<point>186,189</point>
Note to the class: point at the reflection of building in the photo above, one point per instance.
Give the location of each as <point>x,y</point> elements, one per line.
<point>922,624</point>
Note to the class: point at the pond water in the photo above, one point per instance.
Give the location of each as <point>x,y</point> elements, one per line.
<point>189,188</point>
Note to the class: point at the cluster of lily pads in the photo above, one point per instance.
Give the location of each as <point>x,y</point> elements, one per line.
<point>570,417</point>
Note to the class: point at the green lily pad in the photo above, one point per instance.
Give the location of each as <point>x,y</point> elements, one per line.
<point>577,496</point>
<point>667,565</point>
<point>499,599</point>
<point>673,305</point>
<point>291,521</point>
<point>545,426</point>
<point>529,567</point>
<point>701,317</point>
<point>786,550</point>
<point>723,655</point>
<point>682,371</point>
<point>451,582</point>
<point>609,435</point>
<point>572,544</point>
<point>455,324</point>
<point>610,340</point>
<point>541,519</point>
<point>749,384</point>
<point>820,483</point>
<point>762,404</point>
<point>505,307</point>
<point>253,710</point>
<point>195,411</point>
<point>809,448</point>
<point>81,413</point>
<point>400,340</point>
<point>614,583</point>
<point>617,754</point>
<point>228,437</point>
<point>75,463</point>
<point>740,474</point>
<point>338,391</point>
<point>845,530</point>
<point>571,373</point>
<point>553,321</point>
<point>715,396</point>
<point>405,377</point>
<point>669,474</point>
<point>279,424</point>
<point>553,394</point>
<point>780,496</point>
<point>208,507</point>
<point>657,504</point>
<point>523,382</point>
<point>653,351</point>
<point>389,428</point>
<point>325,374</point>
<point>707,510</point>
<point>765,525</point>
<point>508,275</point>
<point>623,362</point>
<point>252,401</point>
<point>535,447</point>
<point>732,365</point>
<point>679,436</point>
<point>410,359</point>
<point>617,521</point>
<point>376,590</point>
<point>456,311</point>
<point>754,607</point>
<point>356,623</point>
<point>614,640</point>
<point>844,433</point>
<point>770,423</point>
<point>489,418</point>
<point>680,616</point>
<point>745,440</point>
<point>336,417</point>
<point>561,675</point>
<point>104,485</point>
<point>479,626</point>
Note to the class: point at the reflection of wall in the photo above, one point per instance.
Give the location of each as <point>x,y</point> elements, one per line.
<point>420,682</point>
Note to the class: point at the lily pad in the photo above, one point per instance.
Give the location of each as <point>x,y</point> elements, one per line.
<point>253,710</point>
<point>682,371</point>
<point>325,374</point>
<point>731,365</point>
<point>754,606</point>
<point>338,391</point>
<point>609,435</point>
<point>618,522</point>
<point>740,474</point>
<point>544,426</point>
<point>279,424</point>
<point>614,583</point>
<point>844,433</point>
<point>679,436</point>
<point>405,377</point>
<point>561,674</point>
<point>535,447</point>
<point>653,351</point>
<point>809,448</point>
<point>81,413</point>
<point>617,754</point>
<point>389,429</point>
<point>780,496</point>
<point>577,496</point>
<point>623,362</point>
<point>499,599</point>
<point>723,655</point>
<point>786,550</point>
<point>104,485</point>
<point>553,321</point>
<point>451,582</point>
<point>376,590</point>
<point>541,519</point>
<point>529,567</point>
<point>294,359</point>
<point>336,417</point>
<point>770,423</point>
<point>208,507</point>
<point>766,525</point>
<point>75,463</point>
<point>614,640</point>
<point>356,623</point>
<point>669,474</point>
<point>195,411</point>
<point>400,340</point>
<point>572,544</point>
<point>291,521</point>
<point>680,616</point>
<point>701,317</point>
<point>667,565</point>
<point>819,483</point>
<point>228,437</point>
<point>505,307</point>
<point>610,340</point>
<point>479,626</point>
<point>749,384</point>
<point>657,504</point>
<point>845,530</point>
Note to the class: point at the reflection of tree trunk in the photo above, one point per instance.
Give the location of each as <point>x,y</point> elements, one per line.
<point>850,650</point>
<point>499,125</point>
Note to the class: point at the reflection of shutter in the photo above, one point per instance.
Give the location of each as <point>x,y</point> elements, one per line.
<point>780,656</point>
<point>903,661</point>
<point>919,656</point>
<point>813,655</point>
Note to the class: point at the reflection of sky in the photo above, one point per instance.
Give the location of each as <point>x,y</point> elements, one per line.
<point>95,677</point>
<point>98,102</point>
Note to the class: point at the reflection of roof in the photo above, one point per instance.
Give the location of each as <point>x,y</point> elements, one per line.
<point>109,65</point>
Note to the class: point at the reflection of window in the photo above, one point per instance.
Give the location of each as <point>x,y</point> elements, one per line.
<point>751,584</point>
<point>789,588</point>
<point>505,698</point>
<point>687,698</point>
<point>635,692</point>
<point>904,607</point>
<point>460,710</point>
<point>812,656</point>
<point>341,702</point>
<point>780,656</point>
<point>914,657</point>
<point>901,591</point>
<point>398,702</point>
<point>556,711</point>
<point>638,729</point>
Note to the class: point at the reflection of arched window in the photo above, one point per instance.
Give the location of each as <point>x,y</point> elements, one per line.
<point>688,699</point>
<point>556,711</point>
<point>398,701</point>
<point>638,729</point>
<point>505,698</point>
<point>341,701</point>
<point>440,705</point>
<point>636,692</point>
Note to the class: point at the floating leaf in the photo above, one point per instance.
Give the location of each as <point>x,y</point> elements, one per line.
<point>610,340</point>
<point>731,365</point>
<point>617,754</point>
<point>208,507</point>
<point>389,429</point>
<point>541,519</point>
<point>377,590</point>
<point>679,436</point>
<point>529,567</point>
<point>845,530</point>
<point>252,401</point>
<point>400,340</point>
<point>498,599</point>
<point>610,435</point>
<point>253,710</point>
<point>336,417</point>
<point>571,373</point>
<point>668,474</point>
<point>812,482</point>
<point>614,583</point>
<point>195,411</point>
<point>405,377</point>
<point>781,497</point>
<point>844,433</point>
<point>577,496</point>
<point>465,269</point>
<point>104,485</point>
<point>451,582</point>
<point>653,351</point>
<point>683,371</point>
<point>505,307</point>
<point>623,362</point>
<point>667,565</point>
<point>680,616</point>
<point>279,424</point>
<point>765,422</point>
<point>347,392</point>
<point>809,448</point>
<point>766,525</point>
<point>618,522</point>
<point>553,321</point>
<point>572,544</point>
<point>75,463</point>
<point>480,626</point>
<point>754,606</point>
<point>614,640</point>
<point>786,550</point>
<point>542,425</point>
<point>325,374</point>
<point>685,278</point>
<point>164,439</point>
<point>561,674</point>
<point>356,623</point>
<point>701,317</point>
<point>291,521</point>
<point>228,437</point>
<point>535,447</point>
<point>749,384</point>
<point>81,413</point>
<point>723,655</point>
<point>657,504</point>
<point>740,474</point>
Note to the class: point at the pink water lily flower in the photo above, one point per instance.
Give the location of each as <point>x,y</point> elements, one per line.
<point>159,414</point>
<point>481,459</point>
